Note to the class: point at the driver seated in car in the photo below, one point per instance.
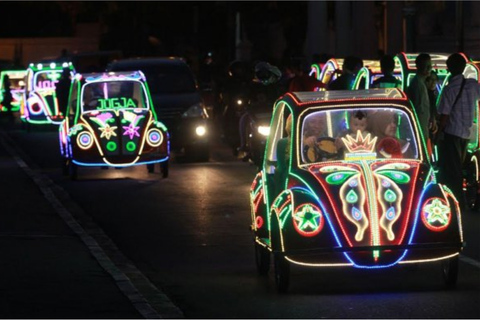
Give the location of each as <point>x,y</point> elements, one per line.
<point>317,144</point>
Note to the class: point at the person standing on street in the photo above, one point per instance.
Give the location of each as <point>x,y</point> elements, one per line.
<point>418,94</point>
<point>62,90</point>
<point>7,98</point>
<point>456,109</point>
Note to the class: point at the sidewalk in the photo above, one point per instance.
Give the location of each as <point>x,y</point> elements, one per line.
<point>50,266</point>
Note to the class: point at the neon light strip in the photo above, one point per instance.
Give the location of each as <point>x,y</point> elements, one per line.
<point>100,164</point>
<point>429,260</point>
<point>326,214</point>
<point>319,264</point>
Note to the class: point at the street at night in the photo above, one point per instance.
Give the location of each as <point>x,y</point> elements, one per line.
<point>240,160</point>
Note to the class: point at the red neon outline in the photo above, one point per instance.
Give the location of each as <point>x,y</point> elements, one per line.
<point>306,103</point>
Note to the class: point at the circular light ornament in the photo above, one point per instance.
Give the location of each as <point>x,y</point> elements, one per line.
<point>35,105</point>
<point>111,146</point>
<point>436,214</point>
<point>131,146</point>
<point>84,140</point>
<point>308,220</point>
<point>200,131</point>
<point>154,137</point>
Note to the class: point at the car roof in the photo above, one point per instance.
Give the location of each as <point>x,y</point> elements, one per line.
<point>309,97</point>
<point>115,75</point>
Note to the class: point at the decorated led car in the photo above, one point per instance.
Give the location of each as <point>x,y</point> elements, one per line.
<point>347,182</point>
<point>110,122</point>
<point>40,101</point>
<point>17,86</point>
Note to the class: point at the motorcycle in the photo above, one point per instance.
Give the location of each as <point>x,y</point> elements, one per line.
<point>256,122</point>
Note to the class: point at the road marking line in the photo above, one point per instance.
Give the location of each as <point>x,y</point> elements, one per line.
<point>169,310</point>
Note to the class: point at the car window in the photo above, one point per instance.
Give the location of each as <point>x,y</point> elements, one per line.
<point>44,80</point>
<point>166,79</point>
<point>355,134</point>
<point>113,95</point>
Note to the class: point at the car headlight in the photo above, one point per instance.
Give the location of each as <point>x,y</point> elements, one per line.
<point>195,111</point>
<point>85,140</point>
<point>201,131</point>
<point>154,137</point>
<point>264,130</point>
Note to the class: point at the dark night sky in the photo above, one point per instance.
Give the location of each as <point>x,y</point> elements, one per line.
<point>172,22</point>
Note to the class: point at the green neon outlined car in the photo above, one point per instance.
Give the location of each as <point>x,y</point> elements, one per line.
<point>40,100</point>
<point>110,122</point>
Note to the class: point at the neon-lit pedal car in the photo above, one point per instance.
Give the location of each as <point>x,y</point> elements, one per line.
<point>17,86</point>
<point>369,73</point>
<point>332,69</point>
<point>330,196</point>
<point>110,122</point>
<point>405,64</point>
<point>40,101</point>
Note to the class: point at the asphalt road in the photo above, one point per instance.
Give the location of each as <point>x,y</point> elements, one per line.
<point>188,236</point>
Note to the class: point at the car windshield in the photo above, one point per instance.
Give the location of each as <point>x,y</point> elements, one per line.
<point>357,134</point>
<point>46,80</point>
<point>113,95</point>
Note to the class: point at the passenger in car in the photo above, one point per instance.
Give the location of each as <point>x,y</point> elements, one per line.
<point>357,122</point>
<point>384,127</point>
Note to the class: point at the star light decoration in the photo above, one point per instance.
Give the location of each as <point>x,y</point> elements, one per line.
<point>308,220</point>
<point>360,143</point>
<point>436,214</point>
<point>107,131</point>
<point>131,131</point>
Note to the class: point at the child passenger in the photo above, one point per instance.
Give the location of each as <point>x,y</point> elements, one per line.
<point>358,122</point>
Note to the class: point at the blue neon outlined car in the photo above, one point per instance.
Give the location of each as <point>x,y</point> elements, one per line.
<point>350,199</point>
<point>110,122</point>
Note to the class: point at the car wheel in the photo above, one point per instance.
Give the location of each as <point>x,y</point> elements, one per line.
<point>282,272</point>
<point>164,169</point>
<point>72,170</point>
<point>450,272</point>
<point>262,259</point>
<point>150,167</point>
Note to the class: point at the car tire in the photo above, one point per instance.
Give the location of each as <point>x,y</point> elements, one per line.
<point>64,165</point>
<point>282,272</point>
<point>164,168</point>
<point>262,259</point>
<point>72,170</point>
<point>450,272</point>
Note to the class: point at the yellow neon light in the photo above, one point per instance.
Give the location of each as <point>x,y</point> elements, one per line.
<point>319,264</point>
<point>429,260</point>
